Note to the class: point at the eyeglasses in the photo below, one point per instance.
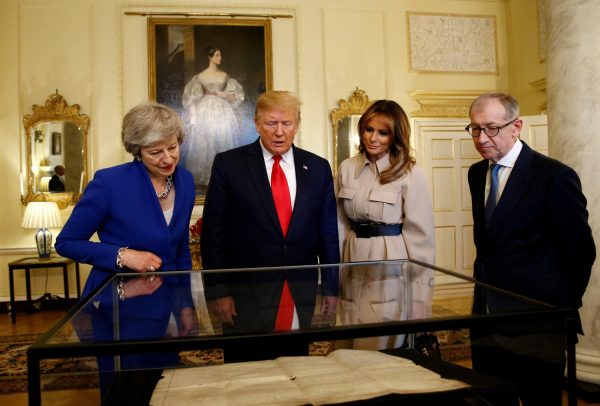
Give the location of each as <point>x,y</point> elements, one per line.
<point>491,131</point>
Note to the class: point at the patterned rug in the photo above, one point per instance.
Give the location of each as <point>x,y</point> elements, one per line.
<point>80,373</point>
<point>58,374</point>
<point>455,345</point>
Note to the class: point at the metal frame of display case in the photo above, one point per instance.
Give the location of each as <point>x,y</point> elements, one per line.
<point>41,349</point>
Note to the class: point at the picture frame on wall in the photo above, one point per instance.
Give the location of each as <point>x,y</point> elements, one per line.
<point>541,13</point>
<point>452,43</point>
<point>56,143</point>
<point>211,71</point>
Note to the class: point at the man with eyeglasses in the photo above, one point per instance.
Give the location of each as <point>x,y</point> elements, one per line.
<point>532,237</point>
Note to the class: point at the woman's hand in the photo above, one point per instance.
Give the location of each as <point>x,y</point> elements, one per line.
<point>229,96</point>
<point>141,261</point>
<point>141,286</point>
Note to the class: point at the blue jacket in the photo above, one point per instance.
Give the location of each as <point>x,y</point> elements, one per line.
<point>120,205</point>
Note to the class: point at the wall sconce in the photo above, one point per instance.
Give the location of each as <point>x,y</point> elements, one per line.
<point>42,215</point>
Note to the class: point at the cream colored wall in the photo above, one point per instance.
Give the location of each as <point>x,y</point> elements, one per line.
<point>96,56</point>
<point>525,67</point>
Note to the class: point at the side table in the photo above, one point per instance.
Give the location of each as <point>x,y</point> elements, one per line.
<point>29,263</point>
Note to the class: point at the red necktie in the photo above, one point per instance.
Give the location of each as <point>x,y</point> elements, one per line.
<point>283,204</point>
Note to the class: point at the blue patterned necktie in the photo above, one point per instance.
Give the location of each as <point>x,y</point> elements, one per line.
<point>491,202</point>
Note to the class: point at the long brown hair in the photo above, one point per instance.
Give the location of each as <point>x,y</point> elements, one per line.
<point>401,160</point>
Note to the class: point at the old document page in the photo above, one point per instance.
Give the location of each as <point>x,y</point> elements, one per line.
<point>342,376</point>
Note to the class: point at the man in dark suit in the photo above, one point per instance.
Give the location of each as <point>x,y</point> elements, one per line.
<point>532,237</point>
<point>57,182</point>
<point>243,227</point>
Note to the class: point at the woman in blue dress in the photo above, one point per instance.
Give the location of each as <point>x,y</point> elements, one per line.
<point>140,212</point>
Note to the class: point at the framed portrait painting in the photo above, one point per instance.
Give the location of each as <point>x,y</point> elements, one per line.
<point>211,71</point>
<point>56,143</point>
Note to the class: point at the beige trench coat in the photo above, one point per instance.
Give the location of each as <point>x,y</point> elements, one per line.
<point>378,294</point>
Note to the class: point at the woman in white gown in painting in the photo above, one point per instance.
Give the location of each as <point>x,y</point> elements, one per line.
<point>210,99</point>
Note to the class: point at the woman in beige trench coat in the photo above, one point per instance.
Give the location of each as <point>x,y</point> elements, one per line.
<point>384,212</point>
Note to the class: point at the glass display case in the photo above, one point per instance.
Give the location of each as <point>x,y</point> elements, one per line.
<point>405,307</point>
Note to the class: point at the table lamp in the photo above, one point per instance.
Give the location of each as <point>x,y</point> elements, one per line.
<point>42,215</point>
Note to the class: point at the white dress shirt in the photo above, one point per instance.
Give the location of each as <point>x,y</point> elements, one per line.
<point>287,165</point>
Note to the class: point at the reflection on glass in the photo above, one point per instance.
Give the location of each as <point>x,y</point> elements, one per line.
<point>104,302</point>
<point>102,326</point>
<point>344,120</point>
<point>348,137</point>
<point>56,158</point>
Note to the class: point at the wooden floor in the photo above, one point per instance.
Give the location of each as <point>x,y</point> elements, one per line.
<point>39,323</point>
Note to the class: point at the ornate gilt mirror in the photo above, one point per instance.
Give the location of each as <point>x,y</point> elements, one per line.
<point>344,120</point>
<point>55,139</point>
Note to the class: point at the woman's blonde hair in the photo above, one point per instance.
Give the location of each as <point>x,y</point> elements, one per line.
<point>149,123</point>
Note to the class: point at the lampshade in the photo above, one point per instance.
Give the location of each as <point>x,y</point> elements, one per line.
<point>42,215</point>
<point>45,183</point>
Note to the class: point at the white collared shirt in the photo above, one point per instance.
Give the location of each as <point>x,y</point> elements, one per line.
<point>507,162</point>
<point>287,165</point>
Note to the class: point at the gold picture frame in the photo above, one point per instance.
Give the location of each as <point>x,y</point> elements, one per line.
<point>215,96</point>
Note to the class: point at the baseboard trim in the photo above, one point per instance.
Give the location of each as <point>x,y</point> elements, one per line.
<point>18,251</point>
<point>22,306</point>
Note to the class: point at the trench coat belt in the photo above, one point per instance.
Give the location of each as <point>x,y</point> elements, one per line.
<point>368,230</point>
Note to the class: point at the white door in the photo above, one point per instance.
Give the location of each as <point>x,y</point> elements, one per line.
<point>445,151</point>
<point>535,132</point>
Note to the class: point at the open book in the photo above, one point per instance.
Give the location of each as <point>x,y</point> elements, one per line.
<point>342,376</point>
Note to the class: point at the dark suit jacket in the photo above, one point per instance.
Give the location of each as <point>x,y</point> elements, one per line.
<point>240,229</point>
<point>539,243</point>
<point>56,184</point>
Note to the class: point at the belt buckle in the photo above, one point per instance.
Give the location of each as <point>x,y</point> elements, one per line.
<point>363,230</point>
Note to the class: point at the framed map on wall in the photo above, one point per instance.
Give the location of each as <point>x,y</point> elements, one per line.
<point>452,43</point>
